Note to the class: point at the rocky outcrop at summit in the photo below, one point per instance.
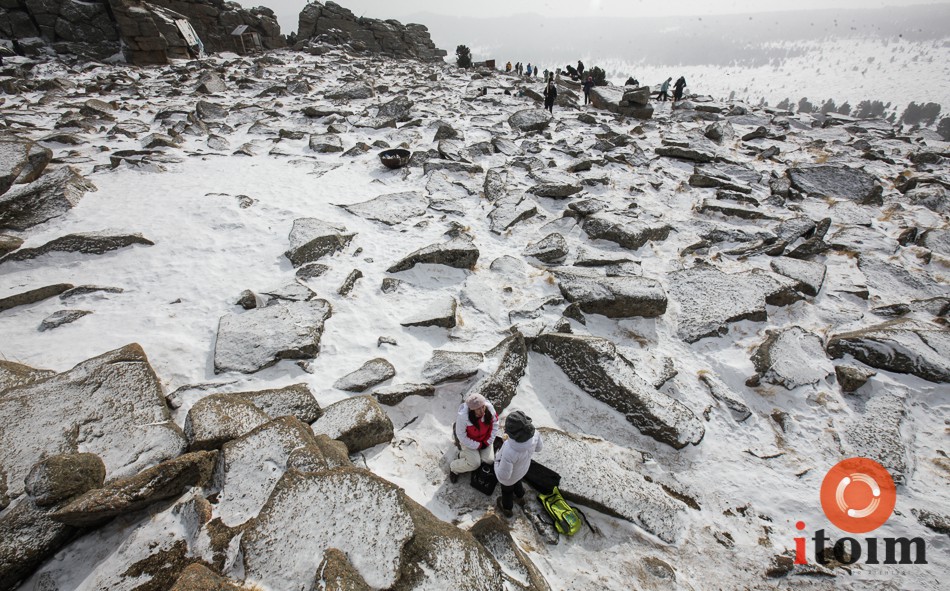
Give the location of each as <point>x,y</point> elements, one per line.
<point>330,23</point>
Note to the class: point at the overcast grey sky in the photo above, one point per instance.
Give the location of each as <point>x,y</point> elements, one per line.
<point>287,10</point>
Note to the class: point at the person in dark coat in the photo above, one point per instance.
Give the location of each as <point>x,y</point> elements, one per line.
<point>550,93</point>
<point>580,68</point>
<point>588,84</point>
<point>678,87</point>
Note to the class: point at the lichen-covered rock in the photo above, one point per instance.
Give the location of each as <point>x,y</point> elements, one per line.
<point>628,234</point>
<point>197,577</point>
<point>494,534</point>
<point>64,476</point>
<point>809,275</point>
<point>27,538</point>
<point>311,239</point>
<point>551,249</point>
<point>261,337</point>
<point>359,422</point>
<point>791,357</point>
<point>837,182</point>
<point>501,385</point>
<point>441,313</point>
<point>219,418</point>
<point>125,495</point>
<point>445,366</point>
<point>530,120</point>
<point>614,297</point>
<point>14,374</point>
<point>393,395</point>
<point>391,209</point>
<point>111,406</point>
<point>458,253</point>
<point>51,195</point>
<point>371,373</point>
<point>249,466</point>
<point>597,474</point>
<point>851,378</point>
<point>295,400</point>
<point>901,346</point>
<point>336,573</point>
<point>595,366</point>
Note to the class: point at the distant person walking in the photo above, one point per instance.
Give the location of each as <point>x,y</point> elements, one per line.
<point>678,89</point>
<point>664,90</point>
<point>508,67</point>
<point>528,70</point>
<point>588,84</point>
<point>536,71</point>
<point>550,93</point>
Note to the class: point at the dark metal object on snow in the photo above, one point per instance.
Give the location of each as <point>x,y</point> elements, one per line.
<point>395,158</point>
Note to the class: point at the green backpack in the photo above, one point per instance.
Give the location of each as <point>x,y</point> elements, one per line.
<point>566,518</point>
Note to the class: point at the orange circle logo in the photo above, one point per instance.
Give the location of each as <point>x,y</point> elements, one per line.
<point>858,495</point>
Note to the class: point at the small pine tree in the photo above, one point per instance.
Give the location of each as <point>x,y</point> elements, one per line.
<point>599,76</point>
<point>943,128</point>
<point>805,107</point>
<point>785,105</point>
<point>844,109</point>
<point>828,107</point>
<point>463,56</point>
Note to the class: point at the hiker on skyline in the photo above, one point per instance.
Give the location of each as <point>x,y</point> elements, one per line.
<point>476,426</point>
<point>514,458</point>
<point>550,93</point>
<point>678,89</point>
<point>588,84</point>
<point>580,69</point>
<point>664,90</point>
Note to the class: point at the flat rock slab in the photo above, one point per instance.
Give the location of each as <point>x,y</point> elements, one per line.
<point>359,422</point>
<point>551,249</point>
<point>530,120</point>
<point>709,300</point>
<point>219,418</point>
<point>391,209</point>
<point>614,297</point>
<point>511,210</point>
<point>21,160</point>
<point>352,91</point>
<point>393,395</point>
<point>901,346</point>
<point>311,239</point>
<point>111,405</point>
<point>837,182</point>
<point>52,195</point>
<point>33,296</point>
<point>597,474</point>
<point>85,243</point>
<point>295,400</point>
<point>62,317</point>
<point>166,480</point>
<point>876,434</point>
<point>894,283</point>
<point>555,185</point>
<point>791,358</point>
<point>14,374</point>
<point>371,373</point>
<point>446,366</point>
<point>630,234</point>
<point>732,209</point>
<point>595,366</point>
<point>441,313</point>
<point>261,337</point>
<point>494,533</point>
<point>458,253</point>
<point>809,275</point>
<point>250,466</point>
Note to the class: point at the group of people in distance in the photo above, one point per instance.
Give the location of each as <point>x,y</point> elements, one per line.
<point>678,87</point>
<point>476,431</point>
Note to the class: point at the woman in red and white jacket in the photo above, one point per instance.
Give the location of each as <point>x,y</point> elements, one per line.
<point>475,428</point>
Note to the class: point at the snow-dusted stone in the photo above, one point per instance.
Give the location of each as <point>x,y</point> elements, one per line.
<point>614,297</point>
<point>211,83</point>
<point>496,181</point>
<point>445,366</point>
<point>9,243</point>
<point>336,572</point>
<point>311,239</point>
<point>555,185</point>
<point>111,405</point>
<point>295,400</point>
<point>33,296</point>
<point>64,476</point>
<point>393,395</point>
<point>721,392</point>
<point>876,434</point>
<point>327,143</point>
<point>530,120</point>
<point>21,160</point>
<point>371,373</point>
<point>692,153</point>
<point>724,176</point>
<point>852,377</point>
<point>198,577</point>
<point>160,140</point>
<point>896,283</point>
<point>249,466</point>
<point>791,357</point>
<point>495,535</point>
<point>935,240</point>
<point>52,195</point>
<point>510,210</point>
<point>837,182</point>
<point>61,317</point>
<point>14,374</point>
<point>551,249</point>
<point>399,108</point>
<point>27,538</point>
<point>219,418</point>
<point>934,197</point>
<point>208,111</point>
<point>501,385</point>
<point>629,234</point>
<point>901,346</point>
<point>733,209</point>
<point>442,313</point>
<point>261,337</point>
<point>719,132</point>
<point>125,495</point>
<point>85,243</point>
<point>458,253</point>
<point>933,521</point>
<point>391,541</point>
<point>614,99</point>
<point>351,91</point>
<point>595,366</point>
<point>809,275</point>
<point>292,292</point>
<point>709,300</point>
<point>359,422</point>
<point>431,166</point>
<point>598,474</point>
<point>391,209</point>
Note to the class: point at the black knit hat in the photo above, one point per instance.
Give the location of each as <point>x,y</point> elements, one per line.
<point>518,426</point>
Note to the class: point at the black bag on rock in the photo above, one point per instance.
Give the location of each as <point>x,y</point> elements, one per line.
<point>541,478</point>
<point>483,478</point>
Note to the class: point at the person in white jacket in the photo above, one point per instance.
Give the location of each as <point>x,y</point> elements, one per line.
<point>514,457</point>
<point>476,426</point>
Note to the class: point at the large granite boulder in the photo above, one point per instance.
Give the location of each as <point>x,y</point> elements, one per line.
<point>835,181</point>
<point>391,541</point>
<point>359,422</point>
<point>391,209</point>
<point>219,418</point>
<point>371,373</point>
<point>14,374</point>
<point>295,400</point>
<point>595,366</point>
<point>501,385</point>
<point>259,338</point>
<point>626,101</point>
<point>901,346</point>
<point>63,476</point>
<point>494,534</point>
<point>601,475</point>
<point>21,161</point>
<point>459,253</point>
<point>50,196</point>
<point>791,358</point>
<point>530,120</point>
<point>630,234</point>
<point>311,239</point>
<point>111,405</point>
<point>614,297</point>
<point>27,538</point>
